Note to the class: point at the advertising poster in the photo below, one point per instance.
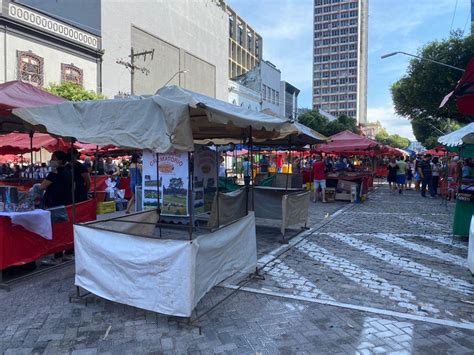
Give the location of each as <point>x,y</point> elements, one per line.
<point>205,184</point>
<point>173,191</point>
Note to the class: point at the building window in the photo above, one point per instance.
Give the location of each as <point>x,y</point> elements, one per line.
<point>231,26</point>
<point>30,68</point>
<point>278,98</point>
<point>249,41</point>
<point>69,72</point>
<point>264,91</point>
<point>240,35</point>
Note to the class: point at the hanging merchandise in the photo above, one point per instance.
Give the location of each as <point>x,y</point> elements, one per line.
<point>173,184</point>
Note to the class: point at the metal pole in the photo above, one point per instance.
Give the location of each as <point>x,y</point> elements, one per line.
<point>158,184</point>
<point>422,58</point>
<point>190,194</point>
<point>96,170</point>
<point>132,71</point>
<point>31,153</point>
<point>73,161</point>
<point>251,166</point>
<point>217,187</point>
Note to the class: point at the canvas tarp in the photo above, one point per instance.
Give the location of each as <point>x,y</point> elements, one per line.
<point>153,123</point>
<point>346,141</point>
<point>161,275</point>
<point>464,135</point>
<point>231,208</point>
<point>219,122</point>
<point>295,209</point>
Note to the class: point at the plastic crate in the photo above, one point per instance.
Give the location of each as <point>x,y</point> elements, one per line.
<point>105,207</point>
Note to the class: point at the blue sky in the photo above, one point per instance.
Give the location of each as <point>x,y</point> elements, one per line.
<point>394,25</point>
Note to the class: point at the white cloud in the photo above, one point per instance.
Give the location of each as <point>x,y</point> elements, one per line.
<point>393,123</point>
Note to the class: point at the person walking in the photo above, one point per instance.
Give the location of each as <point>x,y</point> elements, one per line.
<point>136,170</point>
<point>246,168</point>
<point>426,175</point>
<point>392,168</point>
<point>453,178</point>
<point>401,174</point>
<point>410,169</point>
<point>416,173</point>
<point>436,171</point>
<point>319,178</point>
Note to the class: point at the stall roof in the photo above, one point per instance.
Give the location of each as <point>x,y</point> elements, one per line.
<point>19,143</point>
<point>17,94</point>
<point>171,120</point>
<point>154,123</point>
<point>346,141</point>
<point>464,135</point>
<point>220,122</point>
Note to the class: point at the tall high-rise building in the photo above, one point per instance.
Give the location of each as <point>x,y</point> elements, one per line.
<point>340,57</point>
<point>472,17</point>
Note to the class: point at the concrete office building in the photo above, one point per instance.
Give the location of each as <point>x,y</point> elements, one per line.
<point>189,40</point>
<point>472,17</point>
<point>340,57</point>
<point>41,49</point>
<point>245,45</point>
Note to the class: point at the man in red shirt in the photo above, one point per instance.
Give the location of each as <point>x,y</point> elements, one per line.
<point>319,178</point>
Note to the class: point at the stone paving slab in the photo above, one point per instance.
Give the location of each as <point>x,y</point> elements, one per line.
<point>353,286</point>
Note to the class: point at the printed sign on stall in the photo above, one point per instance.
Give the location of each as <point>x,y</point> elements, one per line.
<point>173,183</point>
<point>205,173</point>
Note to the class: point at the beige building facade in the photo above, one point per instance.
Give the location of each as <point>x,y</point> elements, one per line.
<point>245,45</point>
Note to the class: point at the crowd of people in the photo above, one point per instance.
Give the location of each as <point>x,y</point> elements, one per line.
<point>425,173</point>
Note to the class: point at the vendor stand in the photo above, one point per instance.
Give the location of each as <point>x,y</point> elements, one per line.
<point>128,259</point>
<point>461,141</point>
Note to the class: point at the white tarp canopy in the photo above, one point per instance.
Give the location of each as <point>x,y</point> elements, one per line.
<point>154,123</point>
<point>173,119</point>
<point>464,135</point>
<point>221,122</point>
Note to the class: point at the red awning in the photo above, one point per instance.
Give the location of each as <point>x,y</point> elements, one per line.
<point>347,142</point>
<point>17,94</point>
<point>439,152</point>
<point>464,91</point>
<point>19,143</point>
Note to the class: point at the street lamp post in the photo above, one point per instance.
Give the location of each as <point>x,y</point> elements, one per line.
<point>422,58</point>
<point>178,72</point>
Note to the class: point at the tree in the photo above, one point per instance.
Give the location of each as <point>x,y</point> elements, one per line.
<point>73,92</point>
<point>393,140</point>
<point>313,119</point>
<point>419,93</point>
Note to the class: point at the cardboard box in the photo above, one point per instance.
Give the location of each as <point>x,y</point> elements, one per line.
<point>343,185</point>
<point>343,196</point>
<point>105,207</point>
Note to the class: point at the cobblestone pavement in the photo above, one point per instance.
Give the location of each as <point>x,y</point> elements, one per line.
<point>379,277</point>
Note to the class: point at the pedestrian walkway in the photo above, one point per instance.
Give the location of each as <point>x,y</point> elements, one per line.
<point>379,277</point>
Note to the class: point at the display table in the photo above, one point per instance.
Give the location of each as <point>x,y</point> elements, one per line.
<point>125,263</point>
<point>290,206</point>
<point>19,246</point>
<point>366,181</point>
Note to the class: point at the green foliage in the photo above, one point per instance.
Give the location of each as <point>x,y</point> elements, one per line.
<point>419,93</point>
<point>393,140</point>
<point>73,92</point>
<point>313,119</point>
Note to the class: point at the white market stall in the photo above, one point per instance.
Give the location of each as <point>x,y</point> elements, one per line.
<point>128,259</point>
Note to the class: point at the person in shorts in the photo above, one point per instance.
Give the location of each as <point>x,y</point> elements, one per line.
<point>319,178</point>
<point>401,174</point>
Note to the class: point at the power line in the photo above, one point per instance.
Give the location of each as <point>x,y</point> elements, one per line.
<point>454,15</point>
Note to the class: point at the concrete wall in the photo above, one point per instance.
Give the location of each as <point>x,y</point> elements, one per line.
<point>242,96</point>
<point>270,79</point>
<point>53,57</point>
<point>199,28</point>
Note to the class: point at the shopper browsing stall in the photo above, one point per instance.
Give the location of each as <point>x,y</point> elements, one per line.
<point>319,178</point>
<point>58,184</point>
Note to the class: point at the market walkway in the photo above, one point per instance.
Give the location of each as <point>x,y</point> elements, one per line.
<point>379,277</point>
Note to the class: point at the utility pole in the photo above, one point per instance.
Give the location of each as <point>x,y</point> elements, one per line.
<point>132,66</point>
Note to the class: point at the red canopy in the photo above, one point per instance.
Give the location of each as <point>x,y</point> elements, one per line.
<point>439,152</point>
<point>349,143</point>
<point>464,91</point>
<point>17,94</point>
<point>11,158</point>
<point>19,143</point>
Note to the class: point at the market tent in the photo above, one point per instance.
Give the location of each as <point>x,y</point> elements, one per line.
<point>348,142</point>
<point>219,122</point>
<point>20,143</point>
<point>464,135</point>
<point>437,151</point>
<point>464,91</point>
<point>460,141</point>
<point>17,94</point>
<point>154,123</point>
